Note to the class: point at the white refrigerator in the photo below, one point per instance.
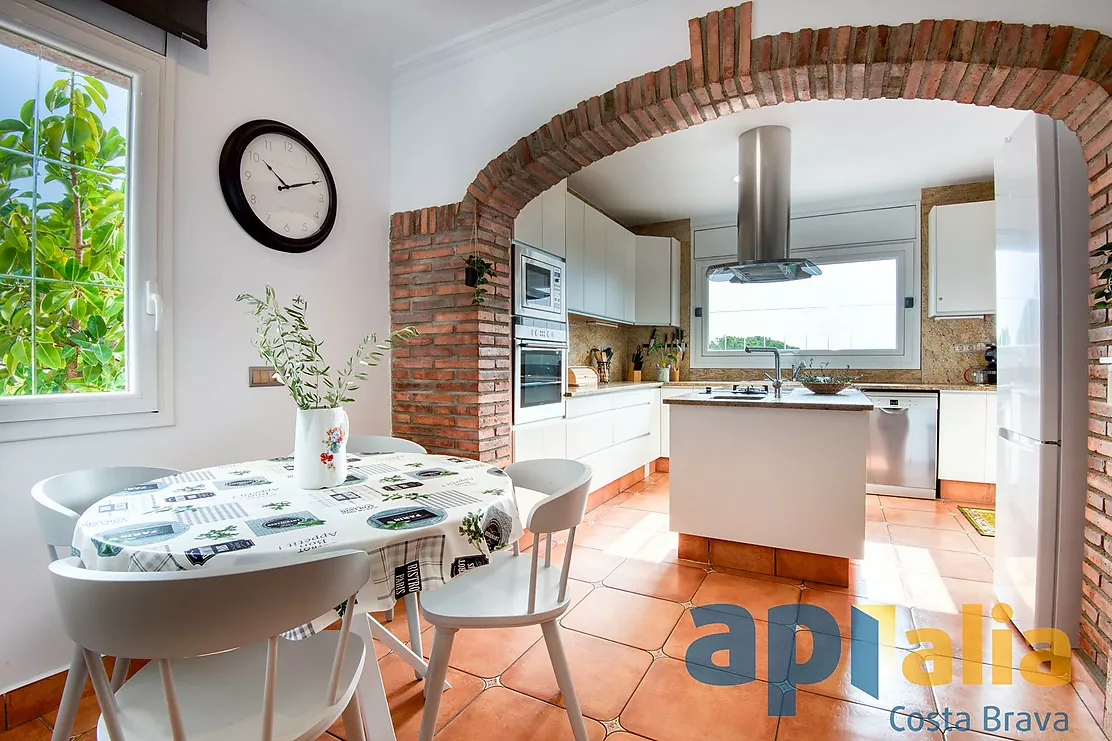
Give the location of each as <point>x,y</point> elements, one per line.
<point>1042,285</point>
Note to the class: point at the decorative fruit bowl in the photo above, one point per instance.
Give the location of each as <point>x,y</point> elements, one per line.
<point>824,381</point>
<point>821,388</point>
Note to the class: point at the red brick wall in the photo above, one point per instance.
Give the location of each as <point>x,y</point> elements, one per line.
<point>1058,70</point>
<point>451,385</point>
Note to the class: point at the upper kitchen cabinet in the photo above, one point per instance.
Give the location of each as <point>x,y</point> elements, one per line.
<point>620,273</point>
<point>658,282</point>
<point>542,223</point>
<point>575,212</point>
<point>595,228</point>
<point>963,259</point>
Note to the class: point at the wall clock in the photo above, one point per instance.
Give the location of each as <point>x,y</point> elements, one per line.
<point>277,186</point>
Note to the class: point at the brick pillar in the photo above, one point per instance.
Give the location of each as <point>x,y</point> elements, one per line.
<point>451,385</point>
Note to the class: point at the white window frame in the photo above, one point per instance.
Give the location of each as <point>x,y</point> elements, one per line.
<point>907,356</point>
<point>149,400</point>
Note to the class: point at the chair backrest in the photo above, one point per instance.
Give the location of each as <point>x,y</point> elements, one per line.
<point>189,613</point>
<point>566,483</point>
<point>169,615</point>
<point>60,500</point>
<point>381,444</point>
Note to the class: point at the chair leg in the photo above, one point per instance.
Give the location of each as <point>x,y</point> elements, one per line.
<point>388,616</point>
<point>119,672</point>
<point>434,684</point>
<point>353,720</point>
<point>560,666</point>
<point>413,615</point>
<point>71,696</point>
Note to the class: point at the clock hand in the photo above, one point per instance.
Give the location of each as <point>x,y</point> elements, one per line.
<point>297,185</point>
<point>280,180</point>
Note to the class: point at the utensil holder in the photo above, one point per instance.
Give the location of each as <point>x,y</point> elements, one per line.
<point>604,371</point>
<point>635,376</point>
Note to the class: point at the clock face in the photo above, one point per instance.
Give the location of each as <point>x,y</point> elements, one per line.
<point>285,186</point>
<point>277,186</point>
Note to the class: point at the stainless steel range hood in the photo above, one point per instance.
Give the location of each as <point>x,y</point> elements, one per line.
<point>764,212</point>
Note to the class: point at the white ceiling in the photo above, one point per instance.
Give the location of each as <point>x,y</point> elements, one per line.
<point>395,31</point>
<point>842,152</point>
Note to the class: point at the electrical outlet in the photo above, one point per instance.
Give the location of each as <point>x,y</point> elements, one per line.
<point>970,348</point>
<point>261,376</point>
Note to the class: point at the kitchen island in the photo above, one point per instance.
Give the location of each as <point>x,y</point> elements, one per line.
<point>770,485</point>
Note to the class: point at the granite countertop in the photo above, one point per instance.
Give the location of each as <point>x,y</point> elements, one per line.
<point>578,392</point>
<point>985,388</point>
<point>850,400</point>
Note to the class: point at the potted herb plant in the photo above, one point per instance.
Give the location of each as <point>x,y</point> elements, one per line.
<point>665,357</point>
<point>285,342</point>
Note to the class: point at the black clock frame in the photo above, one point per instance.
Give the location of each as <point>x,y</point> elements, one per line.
<point>230,158</point>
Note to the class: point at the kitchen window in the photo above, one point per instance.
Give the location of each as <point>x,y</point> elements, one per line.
<point>81,222</point>
<point>854,314</point>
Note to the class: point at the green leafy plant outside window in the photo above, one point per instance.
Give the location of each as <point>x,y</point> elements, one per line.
<point>63,237</point>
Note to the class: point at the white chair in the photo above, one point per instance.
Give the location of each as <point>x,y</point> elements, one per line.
<point>514,590</point>
<point>196,688</point>
<point>382,444</point>
<point>59,502</point>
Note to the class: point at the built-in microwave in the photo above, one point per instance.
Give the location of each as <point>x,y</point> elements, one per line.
<point>538,289</point>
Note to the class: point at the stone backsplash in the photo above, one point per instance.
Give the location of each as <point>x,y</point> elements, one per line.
<point>940,363</point>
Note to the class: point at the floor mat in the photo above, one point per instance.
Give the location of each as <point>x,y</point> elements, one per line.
<point>984,520</point>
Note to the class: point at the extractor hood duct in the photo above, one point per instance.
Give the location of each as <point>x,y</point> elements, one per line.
<point>764,212</point>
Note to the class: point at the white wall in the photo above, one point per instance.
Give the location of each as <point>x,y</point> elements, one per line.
<point>448,127</point>
<point>253,69</point>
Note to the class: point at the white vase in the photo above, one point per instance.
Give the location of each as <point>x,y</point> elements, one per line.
<point>665,374</point>
<point>320,448</point>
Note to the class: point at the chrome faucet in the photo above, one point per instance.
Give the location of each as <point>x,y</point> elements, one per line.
<point>778,381</point>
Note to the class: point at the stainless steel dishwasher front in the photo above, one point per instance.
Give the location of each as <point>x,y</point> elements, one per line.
<point>902,457</point>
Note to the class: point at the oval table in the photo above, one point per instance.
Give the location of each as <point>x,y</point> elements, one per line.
<point>423,518</point>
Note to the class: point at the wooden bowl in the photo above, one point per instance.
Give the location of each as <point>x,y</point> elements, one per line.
<point>825,389</point>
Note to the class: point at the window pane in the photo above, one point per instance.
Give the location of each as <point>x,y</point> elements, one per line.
<point>83,111</point>
<point>64,132</point>
<point>79,338</point>
<point>85,202</point>
<point>15,339</point>
<point>17,185</point>
<point>851,306</point>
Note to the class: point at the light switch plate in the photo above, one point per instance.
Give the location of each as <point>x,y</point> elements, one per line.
<point>970,348</point>
<point>261,376</point>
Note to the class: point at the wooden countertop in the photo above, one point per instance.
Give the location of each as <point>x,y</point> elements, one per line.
<point>850,400</point>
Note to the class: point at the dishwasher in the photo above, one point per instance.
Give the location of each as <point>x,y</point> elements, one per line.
<point>902,458</point>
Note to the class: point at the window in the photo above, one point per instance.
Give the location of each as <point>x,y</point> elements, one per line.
<point>853,314</point>
<point>80,198</point>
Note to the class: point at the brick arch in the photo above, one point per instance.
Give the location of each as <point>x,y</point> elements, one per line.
<point>451,389</point>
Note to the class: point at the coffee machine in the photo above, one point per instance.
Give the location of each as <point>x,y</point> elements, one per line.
<point>990,364</point>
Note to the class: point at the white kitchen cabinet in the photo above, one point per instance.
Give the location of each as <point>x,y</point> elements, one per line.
<point>668,393</point>
<point>658,282</point>
<point>546,439</point>
<point>554,227</point>
<point>992,431</point>
<point>595,227</point>
<point>541,223</point>
<point>575,253</point>
<point>620,272</point>
<point>614,433</point>
<point>529,224</point>
<point>963,259</point>
<point>967,436</point>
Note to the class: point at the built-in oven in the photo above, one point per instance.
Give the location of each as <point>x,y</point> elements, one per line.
<point>538,289</point>
<point>539,369</point>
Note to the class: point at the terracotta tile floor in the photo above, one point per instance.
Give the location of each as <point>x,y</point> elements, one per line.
<point>630,625</point>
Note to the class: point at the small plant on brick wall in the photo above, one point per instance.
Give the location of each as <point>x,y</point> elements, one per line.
<point>478,274</point>
<point>1102,294</point>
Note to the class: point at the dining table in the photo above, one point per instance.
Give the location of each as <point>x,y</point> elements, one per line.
<point>423,518</point>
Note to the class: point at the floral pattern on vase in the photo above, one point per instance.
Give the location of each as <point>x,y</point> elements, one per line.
<point>320,448</point>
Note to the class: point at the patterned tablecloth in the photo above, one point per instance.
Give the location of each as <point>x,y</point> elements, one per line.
<point>424,519</point>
